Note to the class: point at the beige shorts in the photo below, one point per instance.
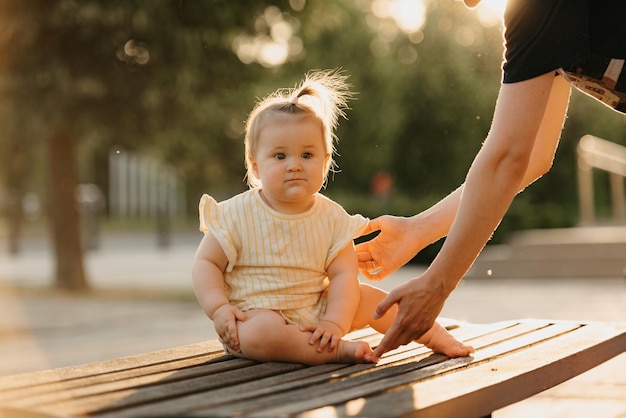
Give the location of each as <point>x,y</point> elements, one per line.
<point>300,316</point>
<point>304,316</point>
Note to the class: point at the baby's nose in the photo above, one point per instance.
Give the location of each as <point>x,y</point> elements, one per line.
<point>294,166</point>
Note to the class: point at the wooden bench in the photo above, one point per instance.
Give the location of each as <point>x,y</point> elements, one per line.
<point>513,360</point>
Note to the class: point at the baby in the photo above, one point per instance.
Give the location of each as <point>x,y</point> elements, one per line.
<point>276,270</point>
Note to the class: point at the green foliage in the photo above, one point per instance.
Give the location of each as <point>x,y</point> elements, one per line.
<point>423,108</point>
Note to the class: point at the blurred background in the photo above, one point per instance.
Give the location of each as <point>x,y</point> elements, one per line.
<point>119,114</point>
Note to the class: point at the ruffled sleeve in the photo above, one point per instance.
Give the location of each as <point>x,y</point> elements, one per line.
<point>346,228</point>
<point>214,218</point>
<point>204,209</point>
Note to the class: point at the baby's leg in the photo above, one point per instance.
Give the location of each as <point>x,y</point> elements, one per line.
<point>437,338</point>
<point>265,336</point>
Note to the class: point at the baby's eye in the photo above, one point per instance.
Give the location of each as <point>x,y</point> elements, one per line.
<point>307,155</point>
<point>279,156</point>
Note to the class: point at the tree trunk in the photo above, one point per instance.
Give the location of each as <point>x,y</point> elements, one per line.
<point>15,220</point>
<point>64,214</point>
<point>14,171</point>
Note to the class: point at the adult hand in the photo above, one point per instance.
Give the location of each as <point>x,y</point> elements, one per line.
<point>225,322</point>
<point>396,245</point>
<point>419,303</point>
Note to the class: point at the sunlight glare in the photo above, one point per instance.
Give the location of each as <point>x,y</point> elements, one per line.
<point>409,15</point>
<point>490,12</point>
<point>355,407</point>
<point>274,42</point>
<point>273,54</point>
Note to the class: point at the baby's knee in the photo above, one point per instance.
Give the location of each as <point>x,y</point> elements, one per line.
<point>254,332</point>
<point>258,334</point>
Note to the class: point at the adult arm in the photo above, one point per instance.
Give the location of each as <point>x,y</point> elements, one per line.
<point>520,146</point>
<point>401,238</point>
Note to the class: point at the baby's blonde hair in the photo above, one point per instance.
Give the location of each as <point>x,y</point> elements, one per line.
<point>322,94</point>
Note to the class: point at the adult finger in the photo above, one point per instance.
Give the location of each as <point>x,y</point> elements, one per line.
<point>371,270</point>
<point>389,342</point>
<point>363,254</point>
<point>372,226</point>
<point>365,262</point>
<point>385,305</point>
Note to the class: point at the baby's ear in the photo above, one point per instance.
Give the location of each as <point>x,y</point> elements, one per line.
<point>327,162</point>
<point>254,166</point>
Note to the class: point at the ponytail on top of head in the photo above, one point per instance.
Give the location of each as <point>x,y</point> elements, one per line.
<point>323,94</point>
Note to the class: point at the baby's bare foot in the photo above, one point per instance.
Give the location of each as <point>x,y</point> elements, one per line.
<point>354,352</point>
<point>441,341</point>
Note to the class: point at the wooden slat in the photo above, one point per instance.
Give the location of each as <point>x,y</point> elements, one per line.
<point>108,366</point>
<point>115,380</point>
<point>117,388</point>
<point>151,391</point>
<point>120,394</point>
<point>226,394</point>
<point>500,381</point>
<point>260,389</point>
<point>244,397</point>
<point>513,360</point>
<point>380,384</point>
<point>7,412</point>
<point>102,385</point>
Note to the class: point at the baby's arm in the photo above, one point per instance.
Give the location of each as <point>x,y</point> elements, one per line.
<point>342,301</point>
<point>208,282</point>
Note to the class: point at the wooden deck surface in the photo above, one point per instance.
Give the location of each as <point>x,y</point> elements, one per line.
<point>513,361</point>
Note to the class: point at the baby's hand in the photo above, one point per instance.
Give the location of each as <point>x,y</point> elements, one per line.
<point>225,322</point>
<point>325,333</point>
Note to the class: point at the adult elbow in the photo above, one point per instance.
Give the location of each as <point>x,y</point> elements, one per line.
<point>543,166</point>
<point>537,168</point>
<point>514,166</point>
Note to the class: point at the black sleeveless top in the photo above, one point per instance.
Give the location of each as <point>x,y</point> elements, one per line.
<point>584,40</point>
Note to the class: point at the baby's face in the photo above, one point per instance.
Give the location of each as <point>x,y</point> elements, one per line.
<point>291,161</point>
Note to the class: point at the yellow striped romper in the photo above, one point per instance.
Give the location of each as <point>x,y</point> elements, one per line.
<point>278,261</point>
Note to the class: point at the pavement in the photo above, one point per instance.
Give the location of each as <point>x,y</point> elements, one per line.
<point>141,300</point>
